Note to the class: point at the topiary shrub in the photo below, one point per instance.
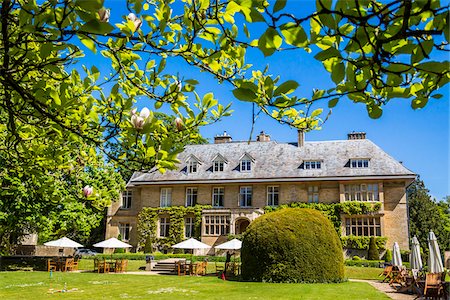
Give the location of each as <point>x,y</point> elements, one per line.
<point>356,257</point>
<point>292,245</point>
<point>373,253</point>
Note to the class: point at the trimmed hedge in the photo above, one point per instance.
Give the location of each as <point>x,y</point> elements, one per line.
<point>157,256</point>
<point>292,245</point>
<point>373,253</point>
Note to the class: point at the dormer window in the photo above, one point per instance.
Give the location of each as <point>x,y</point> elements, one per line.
<point>219,163</point>
<point>312,164</point>
<point>359,163</point>
<point>245,163</point>
<point>192,164</point>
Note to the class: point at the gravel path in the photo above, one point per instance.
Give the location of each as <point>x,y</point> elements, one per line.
<point>387,289</point>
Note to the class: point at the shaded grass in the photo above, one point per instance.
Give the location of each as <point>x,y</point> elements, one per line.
<point>39,285</point>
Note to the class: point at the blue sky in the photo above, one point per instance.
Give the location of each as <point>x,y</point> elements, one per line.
<point>418,138</point>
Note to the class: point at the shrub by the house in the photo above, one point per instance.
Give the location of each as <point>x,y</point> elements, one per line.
<point>373,253</point>
<point>292,245</point>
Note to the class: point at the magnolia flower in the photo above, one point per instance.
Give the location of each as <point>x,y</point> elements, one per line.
<point>137,22</point>
<point>104,14</point>
<point>179,123</point>
<point>138,120</point>
<point>87,191</point>
<point>133,111</point>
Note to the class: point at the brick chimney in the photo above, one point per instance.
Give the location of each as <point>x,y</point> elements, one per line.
<point>263,137</point>
<point>220,139</point>
<point>301,138</point>
<point>356,135</point>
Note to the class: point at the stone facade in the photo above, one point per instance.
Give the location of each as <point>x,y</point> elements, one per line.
<point>387,178</point>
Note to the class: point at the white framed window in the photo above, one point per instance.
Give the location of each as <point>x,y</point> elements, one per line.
<point>218,166</point>
<point>192,166</point>
<point>164,226</point>
<point>245,196</point>
<point>313,194</point>
<point>124,231</point>
<point>191,196</point>
<point>217,225</point>
<point>363,226</point>
<point>359,163</point>
<point>127,197</point>
<point>361,192</point>
<point>218,195</point>
<point>313,164</point>
<point>246,165</point>
<point>273,195</point>
<point>189,227</point>
<point>165,197</point>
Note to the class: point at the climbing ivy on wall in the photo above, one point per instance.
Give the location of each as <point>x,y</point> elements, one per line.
<point>148,224</point>
<point>334,210</point>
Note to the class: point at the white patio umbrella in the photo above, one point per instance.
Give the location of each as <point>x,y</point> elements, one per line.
<point>396,256</point>
<point>415,259</point>
<point>112,243</point>
<point>434,258</point>
<point>234,244</point>
<point>63,243</point>
<point>191,244</point>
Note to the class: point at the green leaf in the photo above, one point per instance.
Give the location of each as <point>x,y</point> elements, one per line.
<point>244,94</point>
<point>333,102</point>
<point>338,73</point>
<point>374,111</point>
<point>269,41</point>
<point>294,34</point>
<point>419,102</point>
<point>279,5</point>
<point>55,96</point>
<point>97,27</point>
<point>89,5</point>
<point>437,96</point>
<point>88,43</point>
<point>286,88</point>
<point>321,4</point>
<point>326,54</point>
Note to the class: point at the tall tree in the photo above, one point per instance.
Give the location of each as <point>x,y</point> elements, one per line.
<point>426,215</point>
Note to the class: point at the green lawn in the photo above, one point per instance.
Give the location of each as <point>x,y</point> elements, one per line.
<point>39,285</point>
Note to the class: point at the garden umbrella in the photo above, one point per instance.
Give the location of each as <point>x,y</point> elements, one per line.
<point>191,244</point>
<point>434,257</point>
<point>112,243</point>
<point>234,244</point>
<point>63,243</point>
<point>416,259</point>
<point>396,257</point>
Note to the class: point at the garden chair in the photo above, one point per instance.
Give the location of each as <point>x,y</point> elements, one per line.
<point>387,273</point>
<point>75,264</point>
<point>398,276</point>
<point>433,285</point>
<point>51,265</point>
<point>68,264</point>
<point>103,266</point>
<point>181,268</point>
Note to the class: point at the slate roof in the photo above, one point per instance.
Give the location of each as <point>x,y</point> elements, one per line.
<point>280,162</point>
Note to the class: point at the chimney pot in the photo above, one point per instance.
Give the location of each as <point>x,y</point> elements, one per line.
<point>263,137</point>
<point>356,135</point>
<point>220,139</point>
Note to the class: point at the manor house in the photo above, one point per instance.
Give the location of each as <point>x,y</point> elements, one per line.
<point>239,179</point>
